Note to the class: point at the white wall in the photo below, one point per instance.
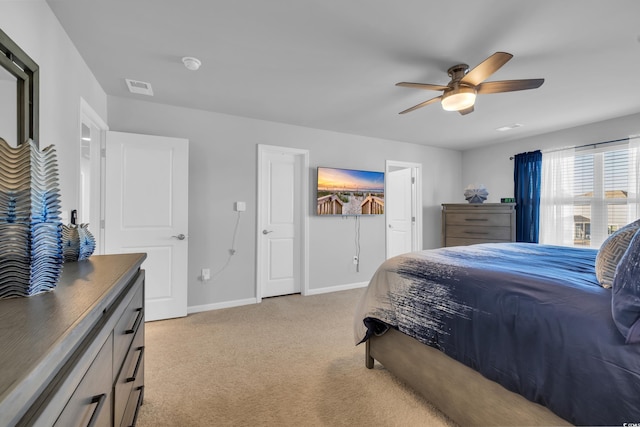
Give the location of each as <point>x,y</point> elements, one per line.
<point>491,165</point>
<point>64,79</point>
<point>223,165</point>
<point>223,162</point>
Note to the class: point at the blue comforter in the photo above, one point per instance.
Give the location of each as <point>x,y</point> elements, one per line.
<point>530,317</point>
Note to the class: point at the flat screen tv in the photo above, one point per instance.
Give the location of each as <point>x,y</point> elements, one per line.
<point>350,192</point>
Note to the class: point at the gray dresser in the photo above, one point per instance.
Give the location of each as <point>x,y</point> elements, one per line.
<point>470,223</point>
<point>75,356</point>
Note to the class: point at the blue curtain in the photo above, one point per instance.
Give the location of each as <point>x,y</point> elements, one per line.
<point>527,177</point>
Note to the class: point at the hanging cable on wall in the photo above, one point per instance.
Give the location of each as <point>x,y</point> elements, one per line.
<point>232,251</point>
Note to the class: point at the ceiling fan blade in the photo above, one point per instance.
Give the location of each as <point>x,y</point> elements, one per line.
<point>466,110</point>
<point>508,86</point>
<point>425,86</point>
<point>487,67</point>
<point>422,104</point>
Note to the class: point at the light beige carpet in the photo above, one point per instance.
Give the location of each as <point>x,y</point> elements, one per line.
<point>288,361</point>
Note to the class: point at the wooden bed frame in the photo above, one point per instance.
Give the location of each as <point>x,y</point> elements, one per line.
<point>461,393</point>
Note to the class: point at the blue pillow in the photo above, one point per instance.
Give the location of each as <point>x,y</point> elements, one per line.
<point>625,301</point>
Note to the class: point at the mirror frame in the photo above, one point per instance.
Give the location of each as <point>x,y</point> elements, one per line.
<point>27,73</point>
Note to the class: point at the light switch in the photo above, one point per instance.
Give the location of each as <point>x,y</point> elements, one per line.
<point>241,206</point>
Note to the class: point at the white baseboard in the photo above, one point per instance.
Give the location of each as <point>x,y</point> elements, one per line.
<point>237,303</point>
<point>338,288</point>
<point>219,305</point>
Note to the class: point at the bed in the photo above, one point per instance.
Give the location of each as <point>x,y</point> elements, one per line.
<point>509,333</point>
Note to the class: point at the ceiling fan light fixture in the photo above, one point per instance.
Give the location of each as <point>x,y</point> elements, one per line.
<point>459,98</point>
<point>460,93</point>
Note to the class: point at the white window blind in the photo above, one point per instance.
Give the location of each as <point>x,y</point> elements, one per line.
<point>588,193</point>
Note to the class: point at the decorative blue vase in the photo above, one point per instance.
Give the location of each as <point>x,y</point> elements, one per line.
<point>87,242</point>
<point>77,242</point>
<point>30,227</point>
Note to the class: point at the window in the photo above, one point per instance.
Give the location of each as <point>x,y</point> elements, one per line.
<point>587,194</point>
<point>600,195</point>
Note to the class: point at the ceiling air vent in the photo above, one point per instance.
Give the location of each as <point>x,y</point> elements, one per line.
<point>506,128</point>
<point>142,88</point>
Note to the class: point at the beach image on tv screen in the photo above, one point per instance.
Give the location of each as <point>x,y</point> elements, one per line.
<point>350,192</point>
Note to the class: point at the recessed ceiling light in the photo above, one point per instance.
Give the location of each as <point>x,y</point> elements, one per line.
<point>505,128</point>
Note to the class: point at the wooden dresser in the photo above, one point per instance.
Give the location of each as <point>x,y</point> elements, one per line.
<point>75,356</point>
<point>470,223</point>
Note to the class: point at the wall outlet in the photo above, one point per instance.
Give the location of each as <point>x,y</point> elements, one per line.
<point>205,274</point>
<point>355,259</point>
<point>241,206</point>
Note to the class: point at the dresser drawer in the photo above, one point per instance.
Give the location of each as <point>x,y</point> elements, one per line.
<point>132,374</point>
<point>479,219</point>
<point>133,406</point>
<point>464,241</point>
<point>90,403</point>
<point>127,326</point>
<point>484,233</point>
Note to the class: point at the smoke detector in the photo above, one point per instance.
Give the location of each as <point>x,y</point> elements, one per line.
<point>191,63</point>
<point>143,88</point>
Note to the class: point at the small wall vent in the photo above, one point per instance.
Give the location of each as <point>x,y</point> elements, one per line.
<point>143,88</point>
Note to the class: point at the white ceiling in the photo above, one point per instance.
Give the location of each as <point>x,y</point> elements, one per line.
<point>333,64</point>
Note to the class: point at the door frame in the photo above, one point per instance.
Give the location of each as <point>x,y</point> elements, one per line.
<point>89,116</point>
<point>416,202</point>
<point>302,160</point>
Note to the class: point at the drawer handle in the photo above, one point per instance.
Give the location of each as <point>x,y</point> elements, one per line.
<point>483,233</point>
<point>138,405</point>
<point>139,318</point>
<point>138,363</point>
<point>476,219</point>
<point>100,399</point>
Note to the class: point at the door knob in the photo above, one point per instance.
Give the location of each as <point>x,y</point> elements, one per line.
<point>267,232</point>
<point>179,236</point>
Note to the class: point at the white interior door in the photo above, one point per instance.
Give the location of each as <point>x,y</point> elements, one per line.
<point>402,210</point>
<point>147,211</point>
<point>281,227</point>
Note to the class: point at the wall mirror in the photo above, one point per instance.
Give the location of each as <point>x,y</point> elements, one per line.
<point>19,80</point>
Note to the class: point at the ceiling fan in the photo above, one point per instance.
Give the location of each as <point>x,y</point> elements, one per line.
<point>460,93</point>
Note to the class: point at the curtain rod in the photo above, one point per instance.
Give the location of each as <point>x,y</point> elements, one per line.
<point>575,147</point>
